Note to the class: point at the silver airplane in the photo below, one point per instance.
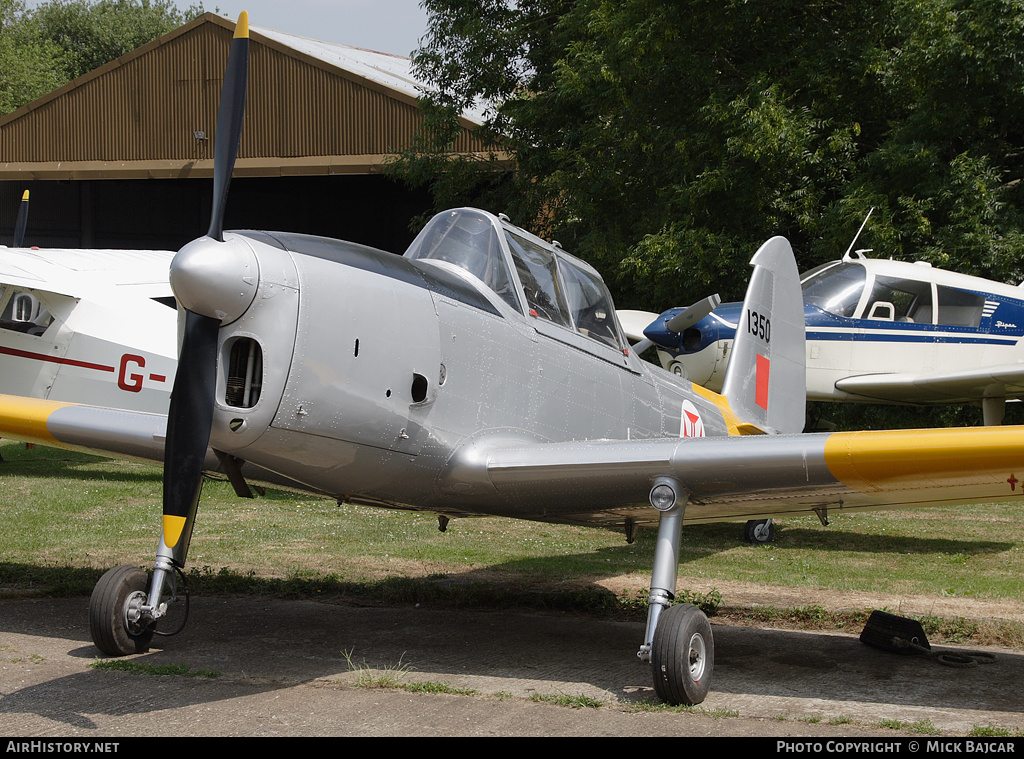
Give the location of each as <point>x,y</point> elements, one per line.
<point>484,372</point>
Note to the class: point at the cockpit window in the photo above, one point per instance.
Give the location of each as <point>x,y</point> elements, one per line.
<point>589,304</point>
<point>900,300</point>
<point>557,288</point>
<point>539,274</point>
<point>24,313</point>
<point>836,289</point>
<point>469,240</point>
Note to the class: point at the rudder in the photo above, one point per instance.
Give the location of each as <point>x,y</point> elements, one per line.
<point>766,381</point>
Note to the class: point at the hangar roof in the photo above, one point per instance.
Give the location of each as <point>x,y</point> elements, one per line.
<point>392,71</point>
<point>313,108</point>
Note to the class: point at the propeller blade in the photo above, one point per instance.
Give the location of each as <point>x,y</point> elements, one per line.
<point>193,396</point>
<point>22,222</point>
<point>693,314</point>
<point>229,123</point>
<point>189,419</point>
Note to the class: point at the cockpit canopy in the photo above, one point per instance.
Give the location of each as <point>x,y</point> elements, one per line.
<point>850,289</point>
<point>522,269</point>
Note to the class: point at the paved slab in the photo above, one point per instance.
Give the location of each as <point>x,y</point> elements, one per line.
<point>286,668</point>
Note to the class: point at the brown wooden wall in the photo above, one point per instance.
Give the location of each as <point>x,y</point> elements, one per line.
<point>143,110</point>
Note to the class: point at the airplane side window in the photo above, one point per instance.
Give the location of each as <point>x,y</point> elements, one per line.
<point>900,300</point>
<point>836,289</point>
<point>538,272</point>
<point>24,313</point>
<point>958,308</point>
<point>589,305</point>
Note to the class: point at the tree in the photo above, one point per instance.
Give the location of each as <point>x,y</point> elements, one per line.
<point>665,140</point>
<point>90,33</point>
<point>28,66</point>
<point>44,48</point>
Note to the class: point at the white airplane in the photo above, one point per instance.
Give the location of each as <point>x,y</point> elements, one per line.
<point>878,331</point>
<point>89,326</point>
<point>484,372</point>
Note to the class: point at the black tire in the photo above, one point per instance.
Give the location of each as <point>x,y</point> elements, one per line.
<point>111,631</point>
<point>683,655</point>
<point>759,531</point>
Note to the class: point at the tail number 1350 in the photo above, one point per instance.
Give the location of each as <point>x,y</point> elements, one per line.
<point>759,325</point>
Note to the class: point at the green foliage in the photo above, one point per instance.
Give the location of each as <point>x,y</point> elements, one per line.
<point>387,676</point>
<point>89,33</point>
<point>706,602</point>
<point>48,46</point>
<point>435,687</point>
<point>29,65</point>
<point>158,670</point>
<point>580,701</point>
<point>664,140</point>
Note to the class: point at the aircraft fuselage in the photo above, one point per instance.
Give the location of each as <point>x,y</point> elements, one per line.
<point>403,368</point>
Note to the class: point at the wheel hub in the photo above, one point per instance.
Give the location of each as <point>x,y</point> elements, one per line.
<point>133,618</point>
<point>697,657</point>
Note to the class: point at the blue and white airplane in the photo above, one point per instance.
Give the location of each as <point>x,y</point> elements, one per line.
<point>878,331</point>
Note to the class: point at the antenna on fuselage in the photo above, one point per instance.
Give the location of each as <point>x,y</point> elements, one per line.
<point>854,240</point>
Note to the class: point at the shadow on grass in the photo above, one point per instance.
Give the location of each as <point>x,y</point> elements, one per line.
<point>83,467</point>
<point>28,581</point>
<point>703,539</point>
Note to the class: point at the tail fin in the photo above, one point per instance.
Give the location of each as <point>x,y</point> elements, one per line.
<point>766,381</point>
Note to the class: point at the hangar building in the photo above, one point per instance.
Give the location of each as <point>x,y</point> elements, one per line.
<point>123,156</point>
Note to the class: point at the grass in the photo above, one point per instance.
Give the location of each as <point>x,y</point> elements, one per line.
<point>141,668</point>
<point>579,701</point>
<point>921,727</point>
<point>70,516</point>
<point>438,687</point>
<point>390,676</point>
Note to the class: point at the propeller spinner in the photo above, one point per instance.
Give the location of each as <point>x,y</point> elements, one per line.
<point>679,323</point>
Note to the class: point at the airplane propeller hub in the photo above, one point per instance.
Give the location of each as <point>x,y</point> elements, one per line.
<point>215,279</point>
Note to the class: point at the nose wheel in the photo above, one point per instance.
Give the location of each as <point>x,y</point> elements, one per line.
<point>116,621</point>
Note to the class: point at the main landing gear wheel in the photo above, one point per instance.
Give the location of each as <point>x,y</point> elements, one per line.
<point>682,655</point>
<point>759,531</point>
<point>113,612</point>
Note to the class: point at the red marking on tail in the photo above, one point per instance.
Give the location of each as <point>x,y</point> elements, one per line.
<point>761,375</point>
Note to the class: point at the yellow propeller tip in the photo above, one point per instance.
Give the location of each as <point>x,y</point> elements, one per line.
<point>24,195</point>
<point>173,527</point>
<point>242,27</point>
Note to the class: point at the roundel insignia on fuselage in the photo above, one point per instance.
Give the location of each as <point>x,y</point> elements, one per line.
<point>691,424</point>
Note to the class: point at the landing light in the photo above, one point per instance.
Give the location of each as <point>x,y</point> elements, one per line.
<point>663,496</point>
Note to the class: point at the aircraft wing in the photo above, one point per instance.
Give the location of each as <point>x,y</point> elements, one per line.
<point>754,476</point>
<point>606,481</point>
<point>961,385</point>
<point>119,433</point>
